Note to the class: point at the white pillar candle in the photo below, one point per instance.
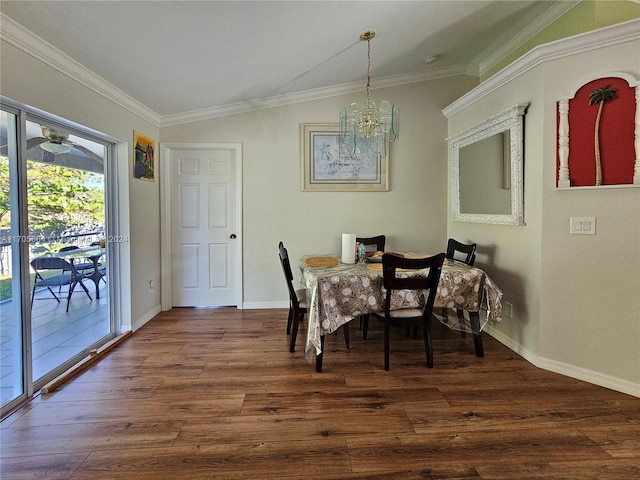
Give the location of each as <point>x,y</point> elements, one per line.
<point>348,248</point>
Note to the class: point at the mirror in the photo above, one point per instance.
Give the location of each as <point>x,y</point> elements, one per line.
<point>486,170</point>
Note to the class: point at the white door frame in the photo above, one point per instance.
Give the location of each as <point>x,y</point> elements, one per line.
<point>165,216</point>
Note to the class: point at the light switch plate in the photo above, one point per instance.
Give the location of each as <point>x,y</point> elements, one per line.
<point>582,225</point>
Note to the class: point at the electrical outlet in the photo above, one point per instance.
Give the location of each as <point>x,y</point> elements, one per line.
<point>152,286</point>
<point>508,310</point>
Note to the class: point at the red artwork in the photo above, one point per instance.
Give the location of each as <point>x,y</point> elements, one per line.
<point>615,133</point>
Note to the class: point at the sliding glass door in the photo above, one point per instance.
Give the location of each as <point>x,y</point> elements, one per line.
<point>13,368</point>
<point>56,299</point>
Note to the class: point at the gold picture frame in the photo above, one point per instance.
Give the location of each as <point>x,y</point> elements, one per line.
<point>327,166</point>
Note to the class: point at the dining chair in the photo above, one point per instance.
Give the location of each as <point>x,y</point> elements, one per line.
<point>425,286</point>
<point>42,266</point>
<point>465,253</point>
<point>297,298</point>
<point>378,241</point>
<point>298,306</point>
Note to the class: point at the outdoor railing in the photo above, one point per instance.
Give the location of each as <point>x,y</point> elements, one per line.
<point>41,245</point>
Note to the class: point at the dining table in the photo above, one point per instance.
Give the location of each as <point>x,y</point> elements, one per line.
<point>338,292</point>
<point>92,253</point>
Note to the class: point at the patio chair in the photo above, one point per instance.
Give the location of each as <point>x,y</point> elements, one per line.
<point>65,274</point>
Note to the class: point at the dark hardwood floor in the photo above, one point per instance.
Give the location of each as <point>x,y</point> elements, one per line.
<point>215,394</point>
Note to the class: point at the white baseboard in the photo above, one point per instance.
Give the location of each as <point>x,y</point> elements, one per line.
<point>257,305</point>
<point>579,373</point>
<point>141,321</point>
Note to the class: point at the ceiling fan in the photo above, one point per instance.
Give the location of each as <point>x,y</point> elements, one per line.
<point>57,142</point>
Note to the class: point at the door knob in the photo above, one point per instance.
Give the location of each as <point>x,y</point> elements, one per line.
<point>232,236</point>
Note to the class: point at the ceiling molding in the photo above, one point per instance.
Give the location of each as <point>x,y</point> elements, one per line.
<point>523,33</point>
<point>25,40</point>
<point>309,95</point>
<point>584,42</point>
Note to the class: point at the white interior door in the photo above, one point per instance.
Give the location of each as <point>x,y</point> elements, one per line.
<point>204,226</point>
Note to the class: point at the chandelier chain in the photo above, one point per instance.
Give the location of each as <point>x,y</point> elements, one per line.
<point>368,70</point>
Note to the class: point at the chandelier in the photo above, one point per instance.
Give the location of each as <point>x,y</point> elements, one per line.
<point>367,129</point>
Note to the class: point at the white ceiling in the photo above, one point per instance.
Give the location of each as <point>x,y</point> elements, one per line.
<point>181,59</point>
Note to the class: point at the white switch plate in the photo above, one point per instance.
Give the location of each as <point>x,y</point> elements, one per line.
<point>507,309</point>
<point>582,225</point>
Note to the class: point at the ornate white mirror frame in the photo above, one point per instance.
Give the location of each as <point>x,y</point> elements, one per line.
<point>510,120</point>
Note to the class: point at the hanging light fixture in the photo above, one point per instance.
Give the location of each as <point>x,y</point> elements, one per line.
<point>367,129</point>
<point>55,147</point>
<point>55,141</point>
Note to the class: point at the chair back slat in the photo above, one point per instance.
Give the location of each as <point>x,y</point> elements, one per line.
<point>468,251</point>
<point>50,263</point>
<point>393,281</point>
<point>379,241</point>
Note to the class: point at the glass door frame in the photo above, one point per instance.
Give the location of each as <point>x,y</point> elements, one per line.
<point>20,251</point>
<point>23,114</point>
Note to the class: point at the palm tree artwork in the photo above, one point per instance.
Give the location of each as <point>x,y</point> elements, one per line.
<point>600,96</point>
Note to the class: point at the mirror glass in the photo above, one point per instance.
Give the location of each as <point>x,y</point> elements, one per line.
<point>486,170</point>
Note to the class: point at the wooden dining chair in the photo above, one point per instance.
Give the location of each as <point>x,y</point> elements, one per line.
<point>465,253</point>
<point>297,298</point>
<point>298,306</point>
<point>64,273</point>
<point>378,241</point>
<point>424,286</point>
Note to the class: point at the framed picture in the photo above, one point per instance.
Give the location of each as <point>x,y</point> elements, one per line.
<point>144,157</point>
<point>327,165</point>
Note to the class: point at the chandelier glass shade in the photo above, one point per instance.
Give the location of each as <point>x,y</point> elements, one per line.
<point>367,129</point>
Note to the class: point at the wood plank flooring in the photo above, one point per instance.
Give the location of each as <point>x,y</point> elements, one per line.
<point>215,394</point>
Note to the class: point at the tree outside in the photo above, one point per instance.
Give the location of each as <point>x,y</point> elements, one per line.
<point>60,200</point>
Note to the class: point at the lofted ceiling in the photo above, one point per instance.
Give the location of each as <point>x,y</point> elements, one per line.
<point>182,60</point>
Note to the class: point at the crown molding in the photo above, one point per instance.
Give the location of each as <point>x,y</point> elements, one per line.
<point>497,53</point>
<point>308,95</point>
<point>584,42</point>
<point>25,40</point>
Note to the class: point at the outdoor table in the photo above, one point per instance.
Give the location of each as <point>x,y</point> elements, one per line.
<point>93,254</point>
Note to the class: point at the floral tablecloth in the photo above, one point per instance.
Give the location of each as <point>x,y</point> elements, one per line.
<point>340,293</point>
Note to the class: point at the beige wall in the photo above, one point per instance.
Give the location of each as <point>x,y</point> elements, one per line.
<point>576,297</point>
<point>412,214</point>
<point>512,254</point>
<point>591,284</point>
